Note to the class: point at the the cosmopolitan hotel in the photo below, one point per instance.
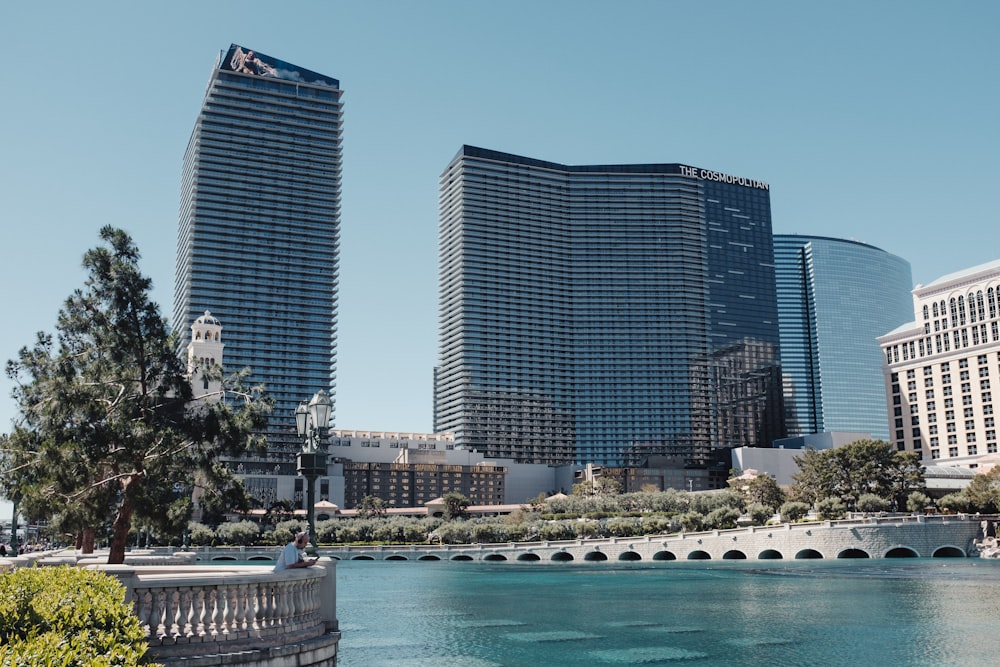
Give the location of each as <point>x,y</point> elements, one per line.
<point>622,315</point>
<point>941,370</point>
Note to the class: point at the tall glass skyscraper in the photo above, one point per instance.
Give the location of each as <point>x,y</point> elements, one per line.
<point>835,298</point>
<point>605,313</point>
<point>259,228</point>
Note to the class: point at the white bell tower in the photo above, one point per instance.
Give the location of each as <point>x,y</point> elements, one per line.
<point>205,357</point>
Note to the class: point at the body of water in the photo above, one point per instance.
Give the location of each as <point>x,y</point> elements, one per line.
<point>882,612</point>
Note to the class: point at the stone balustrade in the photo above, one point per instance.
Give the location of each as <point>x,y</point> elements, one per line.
<point>204,612</point>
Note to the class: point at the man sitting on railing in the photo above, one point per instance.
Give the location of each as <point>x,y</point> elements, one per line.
<point>292,555</point>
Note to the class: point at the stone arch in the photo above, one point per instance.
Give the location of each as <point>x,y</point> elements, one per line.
<point>562,556</point>
<point>698,554</point>
<point>629,555</point>
<point>734,554</point>
<point>429,557</point>
<point>948,551</point>
<point>595,556</point>
<point>259,557</point>
<point>218,558</point>
<point>362,557</point>
<point>901,552</point>
<point>529,557</point>
<point>853,552</point>
<point>462,557</point>
<point>808,553</point>
<point>495,557</point>
<point>664,555</point>
<point>396,557</point>
<point>770,554</point>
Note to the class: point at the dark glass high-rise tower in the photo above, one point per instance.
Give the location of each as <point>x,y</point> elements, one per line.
<point>259,228</point>
<point>835,298</point>
<point>605,313</point>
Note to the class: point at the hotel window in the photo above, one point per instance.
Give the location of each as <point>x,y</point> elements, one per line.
<point>988,422</point>
<point>964,375</point>
<point>915,420</point>
<point>966,387</point>
<point>972,450</point>
<point>970,437</point>
<point>911,385</point>
<point>946,378</point>
<point>916,433</point>
<point>985,384</point>
<point>928,371</point>
<point>913,397</point>
<point>970,424</point>
<point>952,451</point>
<point>967,400</point>
<point>935,454</point>
<point>934,442</point>
<point>952,439</point>
<point>928,382</point>
<point>929,394</point>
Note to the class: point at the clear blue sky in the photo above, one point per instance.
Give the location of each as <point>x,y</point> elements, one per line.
<point>875,121</point>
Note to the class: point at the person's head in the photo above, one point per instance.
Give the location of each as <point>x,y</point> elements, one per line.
<point>301,539</point>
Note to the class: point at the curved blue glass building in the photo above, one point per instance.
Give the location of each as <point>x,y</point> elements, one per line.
<point>605,313</point>
<point>258,236</point>
<point>835,298</point>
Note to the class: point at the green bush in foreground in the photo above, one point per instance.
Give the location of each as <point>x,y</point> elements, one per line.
<point>67,617</point>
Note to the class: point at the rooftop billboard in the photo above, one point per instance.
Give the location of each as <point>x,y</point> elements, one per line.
<point>247,61</point>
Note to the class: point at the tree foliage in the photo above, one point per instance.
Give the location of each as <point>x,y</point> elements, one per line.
<point>455,505</point>
<point>108,429</point>
<point>762,489</point>
<point>859,468</point>
<point>983,492</point>
<point>67,616</point>
<point>372,507</point>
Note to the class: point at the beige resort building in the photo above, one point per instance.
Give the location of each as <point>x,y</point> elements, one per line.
<point>942,369</point>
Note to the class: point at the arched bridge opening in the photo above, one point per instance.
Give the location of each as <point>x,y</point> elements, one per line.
<point>901,552</point>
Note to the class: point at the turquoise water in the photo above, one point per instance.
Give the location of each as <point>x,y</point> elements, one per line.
<point>848,612</point>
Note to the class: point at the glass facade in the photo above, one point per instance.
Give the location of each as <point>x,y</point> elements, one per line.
<point>604,313</point>
<point>835,298</point>
<point>258,236</point>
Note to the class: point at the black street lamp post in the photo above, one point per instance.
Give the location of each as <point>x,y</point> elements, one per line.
<point>309,419</point>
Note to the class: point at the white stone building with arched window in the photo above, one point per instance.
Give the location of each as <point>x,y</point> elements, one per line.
<point>942,369</point>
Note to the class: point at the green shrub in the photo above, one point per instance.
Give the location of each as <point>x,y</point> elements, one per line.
<point>67,617</point>
<point>691,522</point>
<point>869,502</point>
<point>793,510</point>
<point>199,534</point>
<point>830,508</point>
<point>722,518</point>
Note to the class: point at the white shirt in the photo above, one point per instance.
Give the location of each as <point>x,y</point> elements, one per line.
<point>289,556</point>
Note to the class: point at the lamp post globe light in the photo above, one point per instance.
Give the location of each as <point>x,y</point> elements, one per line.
<point>309,419</point>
